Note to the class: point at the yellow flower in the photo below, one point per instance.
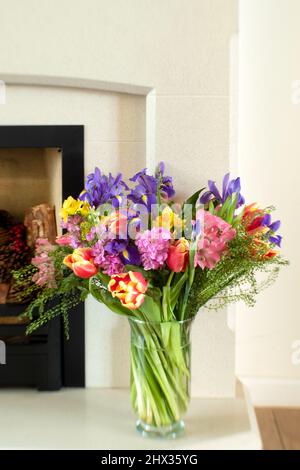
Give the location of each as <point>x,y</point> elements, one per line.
<point>70,207</point>
<point>85,208</point>
<point>169,220</point>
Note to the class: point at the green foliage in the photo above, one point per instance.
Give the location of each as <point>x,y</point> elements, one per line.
<point>27,289</point>
<point>234,277</point>
<point>49,303</point>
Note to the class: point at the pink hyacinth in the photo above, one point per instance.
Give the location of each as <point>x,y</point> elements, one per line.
<point>112,265</point>
<point>216,233</point>
<point>98,253</point>
<point>45,276</point>
<point>153,246</point>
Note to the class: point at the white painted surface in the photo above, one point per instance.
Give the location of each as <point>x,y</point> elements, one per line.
<point>269,119</point>
<point>273,392</point>
<point>181,50</point>
<point>102,419</point>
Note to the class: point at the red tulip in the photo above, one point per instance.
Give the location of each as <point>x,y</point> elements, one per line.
<point>178,255</point>
<point>81,263</point>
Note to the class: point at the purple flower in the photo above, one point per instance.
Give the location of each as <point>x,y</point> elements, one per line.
<point>91,234</point>
<point>166,182</point>
<point>153,246</point>
<point>98,253</point>
<point>273,227</point>
<point>148,187</point>
<point>229,187</point>
<point>114,247</point>
<point>130,255</point>
<point>101,189</point>
<point>276,240</point>
<point>145,190</point>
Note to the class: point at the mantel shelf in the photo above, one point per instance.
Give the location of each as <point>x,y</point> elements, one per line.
<point>102,419</point>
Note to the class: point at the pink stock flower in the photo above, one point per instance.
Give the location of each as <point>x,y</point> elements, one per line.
<point>216,233</point>
<point>45,276</point>
<point>73,237</point>
<point>153,246</point>
<point>64,240</point>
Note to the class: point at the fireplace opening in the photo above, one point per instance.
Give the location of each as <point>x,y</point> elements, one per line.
<point>39,167</point>
<point>28,177</point>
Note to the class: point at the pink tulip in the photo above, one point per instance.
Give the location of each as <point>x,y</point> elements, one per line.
<point>178,255</point>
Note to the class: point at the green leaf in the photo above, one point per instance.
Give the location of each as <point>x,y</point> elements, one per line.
<point>166,304</point>
<point>194,197</point>
<point>176,346</point>
<point>211,207</point>
<point>223,210</point>
<point>165,331</point>
<point>155,293</point>
<point>176,289</point>
<point>104,278</point>
<point>132,267</point>
<point>150,309</point>
<point>232,208</point>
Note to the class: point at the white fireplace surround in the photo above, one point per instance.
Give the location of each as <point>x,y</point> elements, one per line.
<point>107,336</point>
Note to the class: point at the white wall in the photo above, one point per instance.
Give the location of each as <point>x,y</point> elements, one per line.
<point>182,50</point>
<point>269,163</point>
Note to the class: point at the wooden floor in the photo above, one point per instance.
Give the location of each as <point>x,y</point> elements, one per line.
<point>279,427</point>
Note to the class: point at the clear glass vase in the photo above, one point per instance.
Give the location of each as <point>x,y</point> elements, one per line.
<point>160,376</point>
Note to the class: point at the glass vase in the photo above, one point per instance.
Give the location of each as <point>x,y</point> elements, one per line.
<point>160,376</point>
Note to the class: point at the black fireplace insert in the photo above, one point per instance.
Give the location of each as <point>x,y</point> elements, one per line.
<point>46,360</point>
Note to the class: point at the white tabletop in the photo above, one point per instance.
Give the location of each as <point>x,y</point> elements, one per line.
<point>102,419</point>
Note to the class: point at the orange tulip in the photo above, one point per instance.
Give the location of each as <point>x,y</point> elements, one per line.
<point>129,288</point>
<point>81,263</point>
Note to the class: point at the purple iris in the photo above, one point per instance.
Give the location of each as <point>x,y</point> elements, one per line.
<point>229,187</point>
<point>130,255</point>
<point>145,190</point>
<point>147,187</point>
<point>115,246</point>
<point>100,189</point>
<point>273,227</point>
<point>166,182</point>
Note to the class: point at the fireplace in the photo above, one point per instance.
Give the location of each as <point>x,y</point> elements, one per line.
<point>40,164</point>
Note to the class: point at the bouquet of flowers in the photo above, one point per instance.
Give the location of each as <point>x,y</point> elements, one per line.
<point>157,262</point>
